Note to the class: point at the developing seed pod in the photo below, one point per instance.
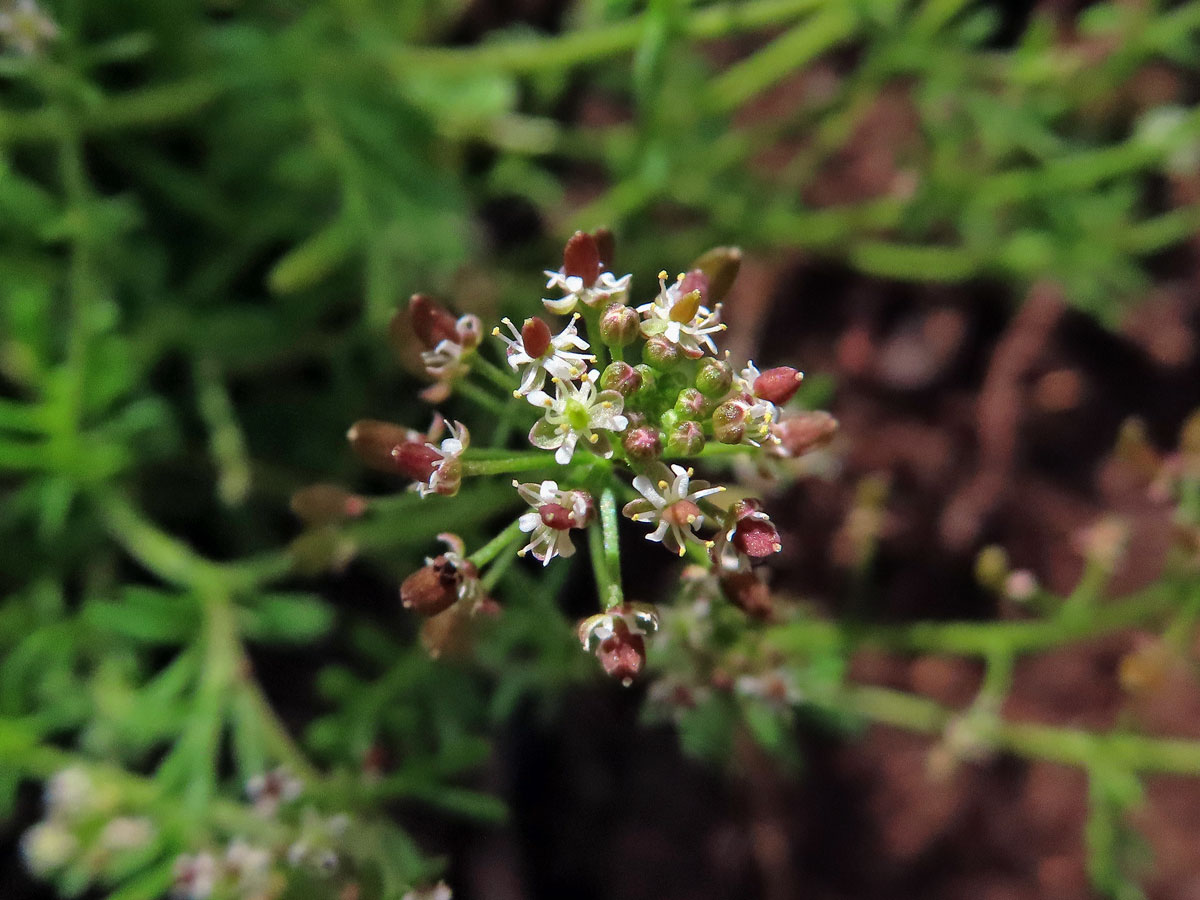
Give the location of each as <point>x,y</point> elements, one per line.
<point>373,442</point>
<point>324,504</point>
<point>622,378</point>
<point>721,265</point>
<point>804,431</point>
<point>778,385</point>
<point>729,422</point>
<point>715,378</point>
<point>535,337</point>
<point>431,323</point>
<point>622,654</point>
<point>745,591</point>
<point>643,444</point>
<point>754,534</point>
<point>436,585</point>
<point>581,258</point>
<point>620,326</point>
<point>685,439</point>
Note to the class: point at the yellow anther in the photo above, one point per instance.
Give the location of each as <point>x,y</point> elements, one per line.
<point>496,331</point>
<point>594,438</point>
<point>516,393</point>
<point>662,485</point>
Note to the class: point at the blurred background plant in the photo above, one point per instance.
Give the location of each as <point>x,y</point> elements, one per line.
<point>973,223</point>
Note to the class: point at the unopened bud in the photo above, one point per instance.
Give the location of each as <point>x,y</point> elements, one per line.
<point>649,379</point>
<point>691,404</point>
<point>685,439</point>
<point>748,593</point>
<point>535,337</point>
<point>416,460</point>
<point>729,423</point>
<point>324,504</point>
<point>619,325</point>
<point>721,265</point>
<point>431,322</point>
<point>714,378</point>
<point>757,537</point>
<point>643,444</point>
<point>621,377</point>
<point>581,258</point>
<point>804,431</point>
<point>660,352</point>
<point>778,385</point>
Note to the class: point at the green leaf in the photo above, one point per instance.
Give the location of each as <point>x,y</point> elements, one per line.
<point>288,618</point>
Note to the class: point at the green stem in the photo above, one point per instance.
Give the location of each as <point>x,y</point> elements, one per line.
<point>610,549</point>
<point>516,462</point>
<point>480,397</point>
<point>594,44</point>
<point>496,545</point>
<point>493,373</point>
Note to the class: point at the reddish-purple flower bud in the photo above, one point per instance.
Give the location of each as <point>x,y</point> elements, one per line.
<point>619,325</point>
<point>622,654</point>
<point>660,352</point>
<point>535,337</point>
<point>415,460</point>
<point>556,516</point>
<point>745,591</point>
<point>729,422</point>
<point>686,439</point>
<point>581,258</point>
<point>621,377</point>
<point>643,444</point>
<point>373,441</point>
<point>431,323</point>
<point>778,385</point>
<point>435,586</point>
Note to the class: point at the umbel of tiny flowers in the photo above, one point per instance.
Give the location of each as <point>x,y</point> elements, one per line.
<point>577,411</point>
<point>669,500</point>
<point>554,514</point>
<point>533,352</point>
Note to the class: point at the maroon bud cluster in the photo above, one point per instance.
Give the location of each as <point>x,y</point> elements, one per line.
<point>623,653</point>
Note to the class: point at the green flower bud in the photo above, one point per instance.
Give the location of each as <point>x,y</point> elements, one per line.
<point>661,353</point>
<point>729,423</point>
<point>622,378</point>
<point>691,404</point>
<point>686,439</point>
<point>715,378</point>
<point>619,325</point>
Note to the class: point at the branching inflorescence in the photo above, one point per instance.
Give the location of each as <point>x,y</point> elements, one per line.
<point>622,400</point>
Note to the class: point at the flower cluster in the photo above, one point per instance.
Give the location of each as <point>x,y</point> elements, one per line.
<point>86,832</point>
<point>622,403</point>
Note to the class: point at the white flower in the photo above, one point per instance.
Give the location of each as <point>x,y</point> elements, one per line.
<point>195,876</point>
<point>637,618</point>
<point>439,891</point>
<point>446,360</point>
<point>598,293</point>
<point>532,347</point>
<point>270,790</point>
<point>577,411</point>
<point>127,833</point>
<point>553,516</point>
<point>447,471</point>
<point>26,27</point>
<point>249,866</point>
<point>681,319</point>
<point>47,847</point>
<point>69,793</point>
<point>778,688</point>
<point>672,504</point>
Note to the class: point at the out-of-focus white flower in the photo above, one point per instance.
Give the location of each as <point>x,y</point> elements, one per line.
<point>195,876</point>
<point>270,790</point>
<point>439,891</point>
<point>47,847</point>
<point>127,833</point>
<point>70,793</point>
<point>26,27</point>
